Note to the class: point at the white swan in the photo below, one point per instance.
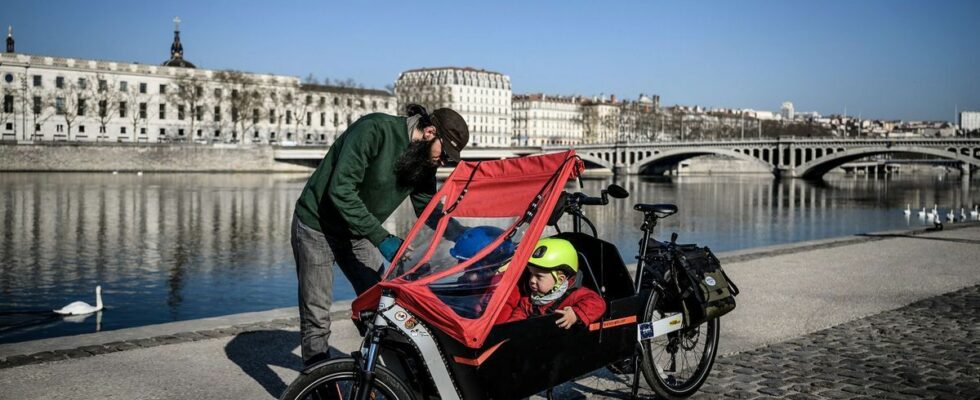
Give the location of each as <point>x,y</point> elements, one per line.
<point>908,209</point>
<point>950,216</point>
<point>962,214</point>
<point>81,307</point>
<point>922,213</point>
<point>934,213</point>
<point>974,213</point>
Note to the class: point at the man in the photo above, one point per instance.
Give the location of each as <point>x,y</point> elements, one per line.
<point>371,168</point>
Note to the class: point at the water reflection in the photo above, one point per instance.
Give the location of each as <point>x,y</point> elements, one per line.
<point>170,247</point>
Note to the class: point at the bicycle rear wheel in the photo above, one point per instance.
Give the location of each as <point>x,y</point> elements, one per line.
<point>675,365</point>
<point>337,379</point>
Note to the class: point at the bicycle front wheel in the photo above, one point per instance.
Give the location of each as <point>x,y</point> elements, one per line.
<point>675,365</point>
<point>337,380</point>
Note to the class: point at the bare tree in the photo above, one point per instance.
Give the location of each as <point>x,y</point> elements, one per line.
<point>105,99</point>
<point>310,79</point>
<point>40,103</point>
<point>133,107</point>
<point>188,98</point>
<point>70,102</point>
<point>240,89</point>
<point>9,99</point>
<point>277,114</point>
<point>297,105</point>
<point>348,83</point>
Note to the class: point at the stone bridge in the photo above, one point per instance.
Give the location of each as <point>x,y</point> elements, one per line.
<point>799,158</point>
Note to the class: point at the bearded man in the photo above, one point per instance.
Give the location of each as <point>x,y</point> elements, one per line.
<point>372,167</point>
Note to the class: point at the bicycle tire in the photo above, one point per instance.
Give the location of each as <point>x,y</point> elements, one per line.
<point>664,384</point>
<point>341,374</point>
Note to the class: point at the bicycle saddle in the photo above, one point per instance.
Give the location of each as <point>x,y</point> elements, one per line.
<point>662,210</point>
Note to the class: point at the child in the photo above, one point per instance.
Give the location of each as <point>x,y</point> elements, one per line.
<point>553,266</point>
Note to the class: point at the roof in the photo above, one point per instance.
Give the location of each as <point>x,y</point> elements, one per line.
<point>468,69</point>
<point>342,89</point>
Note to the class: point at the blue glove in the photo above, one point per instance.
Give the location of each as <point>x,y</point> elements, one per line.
<point>389,246</point>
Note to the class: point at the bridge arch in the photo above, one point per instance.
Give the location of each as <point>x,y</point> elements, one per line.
<point>820,166</point>
<point>594,160</point>
<point>675,156</point>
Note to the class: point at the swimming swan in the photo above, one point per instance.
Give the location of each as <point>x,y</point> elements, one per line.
<point>81,307</point>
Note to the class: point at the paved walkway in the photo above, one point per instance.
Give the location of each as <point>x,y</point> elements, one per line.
<point>828,319</point>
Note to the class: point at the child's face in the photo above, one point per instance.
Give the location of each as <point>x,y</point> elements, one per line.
<point>542,281</point>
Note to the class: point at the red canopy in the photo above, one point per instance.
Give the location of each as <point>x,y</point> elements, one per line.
<point>517,195</point>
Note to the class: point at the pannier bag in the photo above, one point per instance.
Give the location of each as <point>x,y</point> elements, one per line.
<point>705,289</point>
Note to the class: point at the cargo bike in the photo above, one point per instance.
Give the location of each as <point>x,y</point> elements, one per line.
<point>434,327</point>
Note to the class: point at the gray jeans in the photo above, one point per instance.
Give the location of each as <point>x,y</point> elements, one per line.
<point>315,254</point>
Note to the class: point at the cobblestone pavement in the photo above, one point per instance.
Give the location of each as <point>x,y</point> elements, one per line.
<point>927,350</point>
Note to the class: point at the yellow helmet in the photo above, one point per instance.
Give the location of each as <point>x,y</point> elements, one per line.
<point>554,254</point>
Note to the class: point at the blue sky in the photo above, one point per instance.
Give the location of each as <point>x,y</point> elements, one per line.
<point>880,59</point>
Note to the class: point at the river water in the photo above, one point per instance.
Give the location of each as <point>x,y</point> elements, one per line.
<point>169,247</point>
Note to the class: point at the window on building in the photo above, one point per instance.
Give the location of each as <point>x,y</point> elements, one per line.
<point>323,119</point>
<point>122,130</point>
<point>59,105</point>
<point>374,104</point>
<point>59,82</point>
<point>124,86</point>
<point>81,129</point>
<point>163,88</point>
<point>8,78</point>
<point>102,108</point>
<point>198,91</point>
<point>199,113</point>
<point>59,128</point>
<point>217,93</point>
<point>217,113</point>
<point>255,115</point>
<point>360,103</point>
<point>217,133</point>
<point>180,112</point>
<point>349,102</point>
<point>272,116</point>
<point>82,83</point>
<point>272,135</point>
<point>143,131</point>
<point>37,127</point>
<point>289,116</point>
<point>10,126</point>
<point>81,107</point>
<point>163,131</point>
<point>122,109</point>
<point>37,80</point>
<point>323,101</point>
<point>348,119</point>
<point>180,132</point>
<point>8,103</point>
<point>386,103</point>
<point>199,133</point>
<point>143,87</point>
<point>234,113</point>
<point>336,101</point>
<point>103,85</point>
<point>37,105</point>
<point>335,119</point>
<point>163,111</point>
<point>309,118</point>
<point>102,129</point>
<point>142,110</point>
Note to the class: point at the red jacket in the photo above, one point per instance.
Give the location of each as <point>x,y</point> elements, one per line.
<point>586,303</point>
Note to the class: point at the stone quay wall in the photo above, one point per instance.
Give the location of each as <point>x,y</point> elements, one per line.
<point>84,157</point>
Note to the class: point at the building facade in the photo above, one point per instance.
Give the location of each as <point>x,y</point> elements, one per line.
<point>541,120</point>
<point>600,120</point>
<point>482,97</point>
<point>640,119</point>
<point>786,112</point>
<point>970,120</point>
<point>67,99</point>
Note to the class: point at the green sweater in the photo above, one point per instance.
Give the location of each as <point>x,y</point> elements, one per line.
<point>354,188</point>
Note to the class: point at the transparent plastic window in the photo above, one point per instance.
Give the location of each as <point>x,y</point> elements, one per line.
<point>485,251</point>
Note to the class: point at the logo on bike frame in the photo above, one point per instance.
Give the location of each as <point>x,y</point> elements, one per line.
<point>710,281</point>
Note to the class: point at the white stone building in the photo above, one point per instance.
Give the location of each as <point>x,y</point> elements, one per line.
<point>786,111</point>
<point>601,120</point>
<point>541,120</point>
<point>482,97</point>
<point>969,120</point>
<point>67,99</point>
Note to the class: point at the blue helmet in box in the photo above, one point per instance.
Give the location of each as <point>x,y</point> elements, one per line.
<point>474,239</point>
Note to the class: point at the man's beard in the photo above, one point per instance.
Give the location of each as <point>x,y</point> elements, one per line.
<point>414,167</point>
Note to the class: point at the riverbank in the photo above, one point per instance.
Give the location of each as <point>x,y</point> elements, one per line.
<point>789,292</point>
<point>145,157</point>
